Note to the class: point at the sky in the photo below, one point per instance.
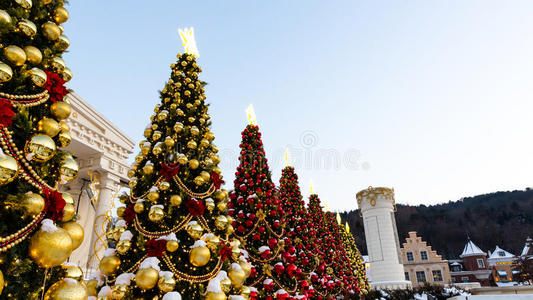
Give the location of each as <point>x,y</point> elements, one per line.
<point>432,98</point>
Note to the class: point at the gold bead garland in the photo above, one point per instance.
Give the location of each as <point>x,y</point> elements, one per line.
<point>158,234</point>
<point>26,100</point>
<point>10,241</point>
<point>132,269</point>
<point>192,278</point>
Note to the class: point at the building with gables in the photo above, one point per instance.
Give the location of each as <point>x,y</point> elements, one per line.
<point>503,265</point>
<point>472,267</point>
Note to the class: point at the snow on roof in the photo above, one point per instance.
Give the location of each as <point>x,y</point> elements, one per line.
<point>527,247</point>
<point>455,264</point>
<point>471,249</point>
<point>500,253</point>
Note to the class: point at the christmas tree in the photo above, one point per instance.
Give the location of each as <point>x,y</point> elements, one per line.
<point>260,218</point>
<point>174,232</point>
<point>298,232</point>
<point>355,259</point>
<point>37,231</point>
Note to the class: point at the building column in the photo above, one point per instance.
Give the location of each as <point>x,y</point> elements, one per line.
<point>109,185</point>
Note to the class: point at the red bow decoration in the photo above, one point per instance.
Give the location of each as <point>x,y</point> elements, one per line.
<point>6,113</point>
<point>195,207</point>
<point>54,204</point>
<point>156,247</point>
<point>217,181</point>
<point>169,170</point>
<point>55,86</point>
<point>224,252</point>
<point>129,213</point>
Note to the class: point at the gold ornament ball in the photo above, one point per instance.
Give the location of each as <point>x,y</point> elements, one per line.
<point>50,249</point>
<point>198,180</point>
<point>8,169</point>
<point>5,18</point>
<point>62,43</point>
<point>64,138</point>
<point>33,55</point>
<point>68,168</point>
<point>61,110</point>
<point>33,203</point>
<point>210,204</point>
<point>2,282</point>
<point>68,198</point>
<point>195,230</point>
<point>215,159</point>
<point>213,243</point>
<point>191,145</point>
<point>50,30</point>
<point>42,146</point>
<point>205,176</point>
<point>175,200</point>
<point>221,222</point>
<point>210,136</point>
<point>193,163</point>
<point>158,149</point>
<point>245,292</point>
<point>73,272</point>
<point>230,230</point>
<point>147,132</point>
<point>237,277</point>
<point>148,168</point>
<point>246,267</point>
<point>153,196</point>
<point>24,3</point>
<point>166,283</point>
<point>156,214</point>
<point>123,246</point>
<point>195,131</point>
<point>92,285</point>
<point>66,290</point>
<point>27,27</point>
<point>182,159</point>
<point>162,115</point>
<point>69,211</point>
<point>75,231</point>
<point>164,186</point>
<point>199,256</point>
<point>6,73</point>
<point>15,55</point>
<point>109,265</point>
<point>169,142</point>
<point>220,195</point>
<point>139,207</point>
<point>48,126</point>
<point>118,291</point>
<point>156,135</point>
<point>178,127</point>
<point>215,296</point>
<point>37,76</point>
<point>66,75</point>
<point>172,245</point>
<point>58,64</point>
<point>133,182</point>
<point>64,126</point>
<point>146,278</point>
<point>61,15</point>
<point>222,205</point>
<point>225,284</point>
<point>204,143</point>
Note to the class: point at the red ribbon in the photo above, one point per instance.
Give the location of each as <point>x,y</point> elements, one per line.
<point>169,170</point>
<point>156,247</point>
<point>129,213</point>
<point>6,113</point>
<point>224,252</point>
<point>217,181</point>
<point>54,204</point>
<point>55,86</point>
<point>195,207</point>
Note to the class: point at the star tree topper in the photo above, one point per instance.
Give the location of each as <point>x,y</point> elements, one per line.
<point>189,42</point>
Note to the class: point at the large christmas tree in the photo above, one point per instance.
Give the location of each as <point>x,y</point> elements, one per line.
<point>37,233</point>
<point>174,236</point>
<point>355,259</point>
<point>260,218</point>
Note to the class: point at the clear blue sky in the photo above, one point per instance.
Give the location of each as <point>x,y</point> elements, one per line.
<point>433,98</point>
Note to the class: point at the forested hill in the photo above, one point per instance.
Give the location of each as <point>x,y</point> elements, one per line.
<point>503,218</point>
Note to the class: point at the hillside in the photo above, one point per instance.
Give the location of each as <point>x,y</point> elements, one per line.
<point>502,218</point>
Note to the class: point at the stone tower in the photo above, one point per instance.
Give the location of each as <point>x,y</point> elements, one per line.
<point>377,207</point>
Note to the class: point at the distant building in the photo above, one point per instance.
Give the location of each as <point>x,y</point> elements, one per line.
<point>472,267</point>
<point>422,264</point>
<point>502,264</point>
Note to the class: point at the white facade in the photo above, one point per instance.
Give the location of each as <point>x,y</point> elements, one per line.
<point>102,150</point>
<point>377,208</point>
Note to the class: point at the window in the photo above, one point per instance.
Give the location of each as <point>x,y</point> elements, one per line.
<point>464,279</point>
<point>407,276</point>
<point>480,263</point>
<point>424,255</point>
<point>410,256</point>
<point>437,275</point>
<point>420,276</point>
<point>502,275</point>
<point>501,253</point>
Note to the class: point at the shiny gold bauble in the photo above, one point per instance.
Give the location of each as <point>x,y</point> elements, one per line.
<point>215,159</point>
<point>133,182</point>
<point>5,18</point>
<point>195,230</point>
<point>222,205</point>
<point>73,272</point>
<point>118,291</point>
<point>37,76</point>
<point>2,282</point>
<point>8,169</point>
<point>153,196</point>
<point>245,292</point>
<point>66,290</point>
<point>191,119</point>
<point>237,277</point>
<point>166,283</point>
<point>66,75</point>
<point>210,204</point>
<point>42,146</point>
<point>156,214</point>
<point>92,286</point>
<point>148,168</point>
<point>199,256</point>
<point>24,3</point>
<point>221,195</point>
<point>109,265</point>
<point>131,173</point>
<point>216,170</point>
<point>205,176</point>
<point>62,43</point>
<point>204,143</point>
<point>68,168</point>
<point>120,211</point>
<point>172,245</point>
<point>147,132</point>
<point>139,207</point>
<point>68,198</point>
<point>50,249</point>
<point>215,296</point>
<point>64,126</point>
<point>213,243</point>
<point>221,222</point>
<point>69,211</point>
<point>169,142</point>
<point>27,27</point>
<point>175,200</point>
<point>146,278</point>
<point>195,131</point>
<point>230,230</point>
<point>50,30</point>
<point>164,185</point>
<point>225,284</point>
<point>198,180</point>
<point>123,246</point>
<point>139,158</point>
<point>191,145</point>
<point>178,127</point>
<point>61,15</point>
<point>58,64</point>
<point>182,159</point>
<point>156,135</point>
<point>246,267</point>
<point>76,233</point>
<point>15,55</point>
<point>209,136</point>
<point>61,110</point>
<point>48,126</point>
<point>6,73</point>
<point>33,203</point>
<point>162,115</point>
<point>64,138</point>
<point>194,164</point>
<point>158,149</point>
